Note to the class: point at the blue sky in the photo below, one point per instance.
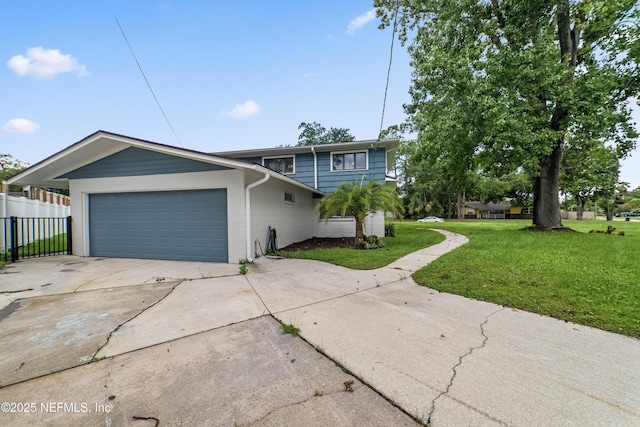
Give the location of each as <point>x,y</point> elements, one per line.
<point>229,75</point>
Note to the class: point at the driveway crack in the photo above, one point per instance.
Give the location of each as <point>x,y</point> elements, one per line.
<point>259,297</point>
<point>432,409</point>
<point>93,358</point>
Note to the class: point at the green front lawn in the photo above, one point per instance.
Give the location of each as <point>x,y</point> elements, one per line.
<point>591,279</point>
<point>407,240</point>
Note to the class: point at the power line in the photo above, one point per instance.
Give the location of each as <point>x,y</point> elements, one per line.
<point>386,88</point>
<point>147,80</point>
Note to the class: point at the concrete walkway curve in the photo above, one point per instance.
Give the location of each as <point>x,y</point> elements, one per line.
<point>451,360</point>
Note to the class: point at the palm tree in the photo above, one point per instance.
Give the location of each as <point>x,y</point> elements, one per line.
<point>357,200</point>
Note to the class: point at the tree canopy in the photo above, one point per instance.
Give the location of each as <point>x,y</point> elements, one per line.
<point>500,86</point>
<point>316,134</point>
<point>10,166</point>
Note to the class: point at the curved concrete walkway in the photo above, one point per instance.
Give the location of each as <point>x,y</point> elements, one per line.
<point>452,360</point>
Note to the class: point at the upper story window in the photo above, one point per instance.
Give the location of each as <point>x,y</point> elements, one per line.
<point>284,165</point>
<point>348,161</point>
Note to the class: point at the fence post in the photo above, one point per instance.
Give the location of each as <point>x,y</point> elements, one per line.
<point>13,233</point>
<point>69,236</point>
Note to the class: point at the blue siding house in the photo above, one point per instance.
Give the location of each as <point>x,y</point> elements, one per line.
<point>134,198</point>
<point>324,167</point>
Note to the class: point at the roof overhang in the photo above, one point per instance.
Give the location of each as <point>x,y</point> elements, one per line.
<point>102,144</point>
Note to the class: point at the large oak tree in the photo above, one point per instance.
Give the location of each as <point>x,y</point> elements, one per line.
<point>507,81</point>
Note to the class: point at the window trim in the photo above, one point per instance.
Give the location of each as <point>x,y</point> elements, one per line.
<point>366,159</point>
<point>292,157</point>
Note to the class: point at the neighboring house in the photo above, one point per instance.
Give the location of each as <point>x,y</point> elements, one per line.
<point>501,210</point>
<point>133,198</point>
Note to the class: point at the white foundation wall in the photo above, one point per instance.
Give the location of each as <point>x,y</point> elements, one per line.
<point>346,227</point>
<point>293,221</point>
<point>232,180</point>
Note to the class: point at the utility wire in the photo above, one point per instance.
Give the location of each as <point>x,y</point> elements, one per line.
<point>147,80</point>
<point>386,88</point>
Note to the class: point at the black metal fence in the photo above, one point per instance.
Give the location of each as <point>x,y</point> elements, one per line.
<point>34,237</point>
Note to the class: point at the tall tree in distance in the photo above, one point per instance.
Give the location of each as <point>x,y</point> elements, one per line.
<point>507,81</point>
<point>316,134</point>
<point>589,174</point>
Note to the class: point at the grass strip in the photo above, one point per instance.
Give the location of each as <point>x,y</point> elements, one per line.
<point>588,278</point>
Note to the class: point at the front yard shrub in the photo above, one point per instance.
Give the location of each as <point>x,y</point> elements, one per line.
<point>389,229</point>
<point>370,242</point>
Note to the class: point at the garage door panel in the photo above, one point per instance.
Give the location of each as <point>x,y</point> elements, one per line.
<point>180,225</point>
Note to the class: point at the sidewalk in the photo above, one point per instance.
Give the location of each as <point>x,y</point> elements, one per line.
<point>453,360</point>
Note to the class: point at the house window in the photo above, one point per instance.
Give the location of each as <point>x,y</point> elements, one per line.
<point>348,161</point>
<point>527,210</point>
<point>289,197</point>
<point>284,165</point>
<point>338,216</point>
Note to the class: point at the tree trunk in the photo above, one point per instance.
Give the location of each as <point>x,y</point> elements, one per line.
<point>609,210</point>
<point>580,207</point>
<point>459,204</point>
<point>359,231</point>
<point>546,205</point>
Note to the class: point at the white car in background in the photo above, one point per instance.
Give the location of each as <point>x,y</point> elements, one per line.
<point>431,219</point>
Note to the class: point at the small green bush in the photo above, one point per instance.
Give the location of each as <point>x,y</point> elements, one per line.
<point>389,229</point>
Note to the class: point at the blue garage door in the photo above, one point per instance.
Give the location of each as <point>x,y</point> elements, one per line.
<point>177,225</point>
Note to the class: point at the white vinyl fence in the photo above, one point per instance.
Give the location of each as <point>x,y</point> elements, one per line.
<point>23,207</point>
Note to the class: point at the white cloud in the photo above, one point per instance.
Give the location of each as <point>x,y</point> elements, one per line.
<point>44,63</point>
<point>361,21</point>
<point>20,125</point>
<point>242,111</point>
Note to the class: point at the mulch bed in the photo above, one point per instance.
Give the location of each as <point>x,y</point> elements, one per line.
<point>320,243</point>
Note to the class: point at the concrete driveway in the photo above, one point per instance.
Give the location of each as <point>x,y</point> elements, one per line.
<point>87,341</point>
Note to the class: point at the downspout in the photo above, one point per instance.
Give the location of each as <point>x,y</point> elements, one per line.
<point>315,167</point>
<point>247,194</point>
